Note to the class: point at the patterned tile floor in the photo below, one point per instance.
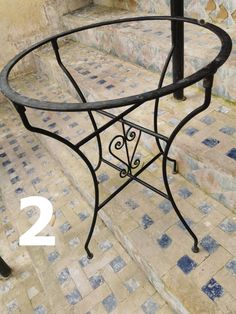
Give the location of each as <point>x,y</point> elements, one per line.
<point>59,279</point>
<point>144,223</point>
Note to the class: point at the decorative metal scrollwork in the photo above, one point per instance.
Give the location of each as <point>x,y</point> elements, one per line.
<point>118,142</point>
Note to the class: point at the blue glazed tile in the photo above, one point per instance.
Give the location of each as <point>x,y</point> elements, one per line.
<point>210,142</point>
<point>83,216</point>
<point>16,148</point>
<point>165,206</point>
<point>13,142</point>
<point>65,227</point>
<point>15,180</point>
<point>40,309</point>
<point>10,171</point>
<point>228,225</point>
<point>73,125</point>
<point>223,109</point>
<point>21,155</point>
<point>164,241</point>
<point>186,264</point>
<point>2,155</point>
<point>36,147</point>
<point>19,190</point>
<point>96,281</point>
<point>191,131</point>
<point>6,163</point>
<point>105,245</point>
<point>132,284</point>
<point>131,203</point>
<point>31,212</point>
<point>79,69</point>
<point>174,121</point>
<point>232,153</point>
<point>2,209</point>
<point>63,276</point>
<point>85,72</point>
<point>117,264</point>
<point>213,290</point>
<point>228,130</point>
<point>52,125</point>
<point>93,77</point>
<point>73,297</point>
<point>74,242</point>
<point>231,266</point>
<point>66,118</point>
<point>53,256</point>
<point>150,307</point>
<point>184,193</point>
<point>110,86</point>
<point>36,180</point>
<point>12,306</point>
<point>101,82</point>
<point>146,221</point>
<point>46,119</point>
<point>84,261</point>
<point>208,120</point>
<point>205,208</point>
<point>103,177</point>
<point>110,303</point>
<point>209,244</point>
<point>181,225</point>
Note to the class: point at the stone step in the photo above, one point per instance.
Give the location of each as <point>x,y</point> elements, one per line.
<point>222,13</point>
<point>209,165</point>
<point>145,223</point>
<point>147,43</point>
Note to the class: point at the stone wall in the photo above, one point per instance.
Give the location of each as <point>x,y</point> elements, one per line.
<point>24,22</point>
<point>217,11</point>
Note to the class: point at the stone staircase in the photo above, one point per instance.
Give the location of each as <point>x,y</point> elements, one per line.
<point>124,60</point>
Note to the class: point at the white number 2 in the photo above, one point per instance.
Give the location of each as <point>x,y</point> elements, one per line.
<point>46,211</point>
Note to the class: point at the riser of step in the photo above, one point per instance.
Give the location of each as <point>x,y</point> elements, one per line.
<point>199,164</point>
<point>147,43</point>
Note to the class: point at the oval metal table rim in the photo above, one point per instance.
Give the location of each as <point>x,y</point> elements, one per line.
<point>209,69</point>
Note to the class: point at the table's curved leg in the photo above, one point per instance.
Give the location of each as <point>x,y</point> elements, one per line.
<point>207,85</point>
<point>5,270</point>
<point>156,108</point>
<point>81,95</point>
<point>21,110</point>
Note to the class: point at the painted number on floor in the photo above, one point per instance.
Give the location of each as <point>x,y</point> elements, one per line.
<point>46,212</point>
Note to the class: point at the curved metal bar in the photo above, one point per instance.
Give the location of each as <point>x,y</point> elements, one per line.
<point>5,270</point>
<point>130,136</point>
<point>208,86</point>
<point>156,108</point>
<point>21,110</point>
<point>210,69</point>
<point>79,92</point>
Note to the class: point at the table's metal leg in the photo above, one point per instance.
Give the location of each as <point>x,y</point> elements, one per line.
<point>5,270</point>
<point>207,85</point>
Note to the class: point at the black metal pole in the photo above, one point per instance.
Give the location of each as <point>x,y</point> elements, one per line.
<point>177,29</point>
<point>5,270</point>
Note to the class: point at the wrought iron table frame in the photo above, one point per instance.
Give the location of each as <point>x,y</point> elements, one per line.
<point>131,130</point>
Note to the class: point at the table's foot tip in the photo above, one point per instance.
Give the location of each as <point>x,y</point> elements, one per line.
<point>195,249</point>
<point>89,255</point>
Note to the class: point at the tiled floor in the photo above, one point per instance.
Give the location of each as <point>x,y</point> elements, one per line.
<point>145,224</point>
<point>59,279</point>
